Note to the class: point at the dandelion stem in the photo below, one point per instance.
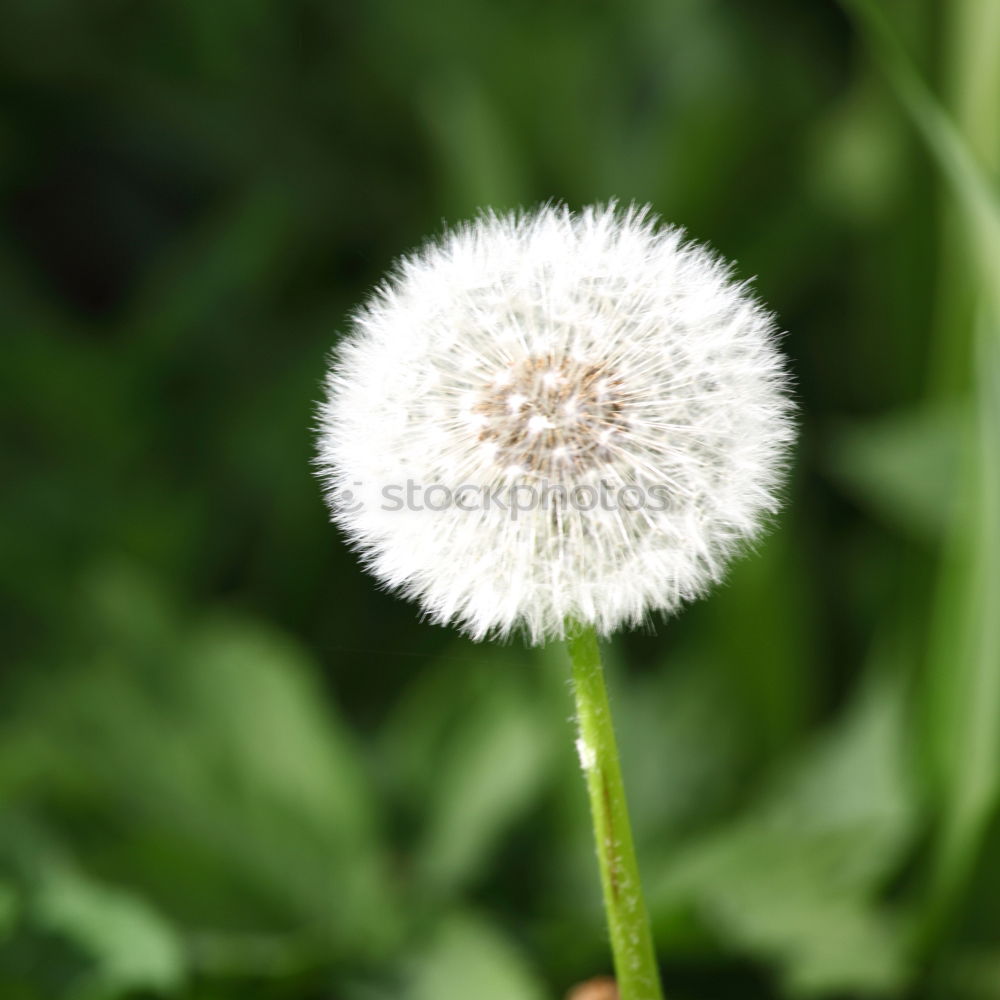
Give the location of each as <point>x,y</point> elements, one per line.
<point>628,921</point>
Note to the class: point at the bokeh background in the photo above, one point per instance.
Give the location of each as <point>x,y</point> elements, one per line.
<point>229,765</point>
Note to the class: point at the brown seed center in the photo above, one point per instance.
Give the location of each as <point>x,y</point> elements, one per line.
<point>552,416</point>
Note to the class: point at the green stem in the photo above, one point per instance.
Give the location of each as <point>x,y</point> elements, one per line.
<point>628,921</point>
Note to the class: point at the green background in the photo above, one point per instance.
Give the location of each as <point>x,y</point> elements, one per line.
<point>229,765</point>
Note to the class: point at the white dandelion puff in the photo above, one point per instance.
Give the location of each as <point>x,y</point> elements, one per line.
<point>553,417</point>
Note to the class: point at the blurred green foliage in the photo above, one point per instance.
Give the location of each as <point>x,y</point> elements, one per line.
<point>229,766</point>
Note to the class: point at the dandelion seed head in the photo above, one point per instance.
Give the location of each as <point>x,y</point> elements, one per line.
<point>594,351</point>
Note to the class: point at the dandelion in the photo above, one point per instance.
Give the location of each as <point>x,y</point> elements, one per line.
<point>582,415</point>
<point>559,424</point>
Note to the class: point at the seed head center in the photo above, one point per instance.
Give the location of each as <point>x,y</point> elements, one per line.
<point>551,415</point>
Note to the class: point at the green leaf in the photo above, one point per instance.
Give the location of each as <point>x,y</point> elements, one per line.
<point>229,788</point>
<point>467,957</point>
<point>132,947</point>
<point>96,940</point>
<point>903,467</point>
<point>963,680</point>
<point>483,166</point>
<point>975,975</point>
<point>964,670</point>
<point>793,880</point>
<point>489,769</point>
<point>9,905</point>
<point>969,184</point>
<point>674,778</point>
<point>235,252</point>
